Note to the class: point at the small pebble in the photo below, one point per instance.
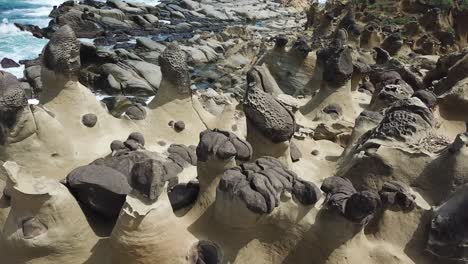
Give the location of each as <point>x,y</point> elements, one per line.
<point>179,126</point>
<point>89,120</point>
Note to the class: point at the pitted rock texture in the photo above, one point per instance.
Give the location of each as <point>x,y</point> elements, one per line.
<point>223,145</point>
<point>397,193</point>
<point>62,53</point>
<point>341,196</point>
<point>267,115</point>
<point>260,185</point>
<point>392,92</point>
<point>174,68</point>
<point>100,188</point>
<point>12,96</point>
<point>337,63</point>
<point>405,120</point>
<point>12,100</point>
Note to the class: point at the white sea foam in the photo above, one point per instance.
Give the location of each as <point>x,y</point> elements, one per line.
<point>45,2</point>
<point>18,45</point>
<point>7,28</point>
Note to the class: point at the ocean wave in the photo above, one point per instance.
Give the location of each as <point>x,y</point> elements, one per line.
<point>28,12</point>
<point>45,3</point>
<point>8,29</point>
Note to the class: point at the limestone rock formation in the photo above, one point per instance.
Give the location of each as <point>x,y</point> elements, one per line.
<point>199,132</point>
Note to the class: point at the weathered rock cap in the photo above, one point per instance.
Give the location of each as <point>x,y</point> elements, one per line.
<point>341,196</point>
<point>174,68</point>
<point>266,114</point>
<point>261,184</point>
<point>223,145</point>
<point>280,41</point>
<point>62,53</point>
<point>12,96</point>
<point>100,188</point>
<point>406,120</point>
<point>337,64</point>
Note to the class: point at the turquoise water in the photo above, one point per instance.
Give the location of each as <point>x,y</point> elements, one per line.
<point>18,45</point>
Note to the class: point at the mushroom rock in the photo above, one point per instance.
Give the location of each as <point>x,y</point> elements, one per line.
<point>432,20</point>
<point>174,100</point>
<point>389,88</point>
<point>335,87</point>
<point>382,55</point>
<point>348,23</point>
<point>261,76</point>
<point>12,102</point>
<point>393,43</point>
<point>217,152</point>
<point>258,188</point>
<point>146,227</point>
<point>370,36</point>
<point>270,125</point>
<point>45,223</point>
<point>29,134</point>
<point>62,53</point>
<point>360,72</point>
<point>312,14</point>
<point>61,65</point>
<point>291,69</point>
<point>325,25</point>
<point>411,76</point>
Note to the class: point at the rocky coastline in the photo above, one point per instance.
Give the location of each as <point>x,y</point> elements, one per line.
<point>215,132</point>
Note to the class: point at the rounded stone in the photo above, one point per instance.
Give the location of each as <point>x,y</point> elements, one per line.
<point>138,137</point>
<point>117,145</point>
<point>89,120</point>
<point>179,126</point>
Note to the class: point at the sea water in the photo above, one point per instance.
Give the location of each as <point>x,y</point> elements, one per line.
<point>18,45</point>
